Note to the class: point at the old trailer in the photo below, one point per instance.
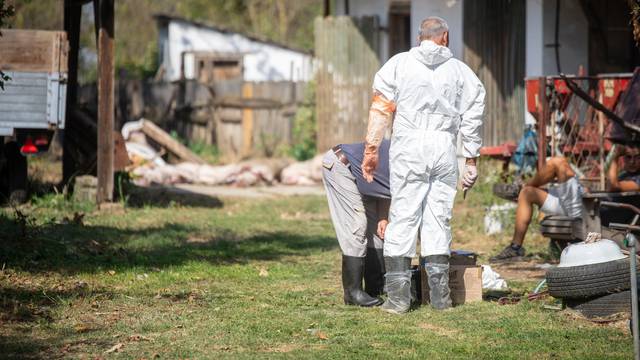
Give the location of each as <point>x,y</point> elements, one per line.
<point>33,102</point>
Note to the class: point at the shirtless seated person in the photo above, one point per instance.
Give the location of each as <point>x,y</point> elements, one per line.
<point>564,197</point>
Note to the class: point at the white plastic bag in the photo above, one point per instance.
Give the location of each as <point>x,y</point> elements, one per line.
<point>491,280</point>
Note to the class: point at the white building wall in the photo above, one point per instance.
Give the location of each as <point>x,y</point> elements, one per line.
<point>534,52</point>
<point>573,37</point>
<point>262,61</point>
<point>450,10</point>
<point>370,8</point>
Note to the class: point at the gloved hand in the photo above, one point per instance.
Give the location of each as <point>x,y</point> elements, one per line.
<point>470,176</point>
<point>369,163</point>
<point>382,227</point>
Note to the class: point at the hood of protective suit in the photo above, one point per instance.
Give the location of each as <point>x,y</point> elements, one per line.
<point>430,53</point>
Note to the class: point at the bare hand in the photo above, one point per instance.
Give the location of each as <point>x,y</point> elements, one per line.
<point>369,165</point>
<point>382,227</point>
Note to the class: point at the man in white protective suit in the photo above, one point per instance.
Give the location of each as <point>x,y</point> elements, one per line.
<point>434,97</point>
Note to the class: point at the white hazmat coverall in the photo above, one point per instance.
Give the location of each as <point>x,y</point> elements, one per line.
<point>436,97</point>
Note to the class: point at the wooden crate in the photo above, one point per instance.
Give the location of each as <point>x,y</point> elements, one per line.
<point>34,51</point>
<point>465,280</point>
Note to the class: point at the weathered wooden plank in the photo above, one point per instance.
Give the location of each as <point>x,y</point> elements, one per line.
<point>247,122</point>
<point>494,35</point>
<point>105,100</point>
<point>33,50</point>
<point>165,140</point>
<point>347,63</point>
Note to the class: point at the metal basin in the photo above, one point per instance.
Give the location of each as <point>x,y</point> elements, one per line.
<point>593,253</point>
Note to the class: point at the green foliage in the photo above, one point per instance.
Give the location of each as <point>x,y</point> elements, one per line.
<point>304,127</point>
<point>286,21</point>
<point>6,11</point>
<point>141,68</point>
<point>58,202</point>
<point>209,153</point>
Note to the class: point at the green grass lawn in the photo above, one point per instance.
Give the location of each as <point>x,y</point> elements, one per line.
<point>247,279</point>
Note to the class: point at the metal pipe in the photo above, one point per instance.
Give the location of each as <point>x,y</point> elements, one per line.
<point>543,112</point>
<point>631,243</point>
<point>622,205</point>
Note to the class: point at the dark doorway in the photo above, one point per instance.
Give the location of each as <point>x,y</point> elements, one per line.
<point>611,45</point>
<point>399,27</point>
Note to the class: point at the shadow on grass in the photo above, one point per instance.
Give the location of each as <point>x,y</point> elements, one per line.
<point>22,347</point>
<point>75,248</point>
<point>166,195</point>
<point>22,304</point>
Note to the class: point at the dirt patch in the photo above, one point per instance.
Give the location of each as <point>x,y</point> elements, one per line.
<point>439,330</point>
<point>199,240</point>
<point>286,348</point>
<point>522,270</point>
<point>298,215</point>
<point>282,348</point>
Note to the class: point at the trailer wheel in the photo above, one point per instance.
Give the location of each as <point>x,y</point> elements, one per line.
<point>16,173</point>
<point>580,282</point>
<point>602,306</point>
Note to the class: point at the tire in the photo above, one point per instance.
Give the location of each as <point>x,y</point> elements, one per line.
<point>602,306</point>
<point>506,191</point>
<point>580,282</point>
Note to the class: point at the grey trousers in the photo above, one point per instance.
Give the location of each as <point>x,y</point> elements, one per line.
<point>354,216</point>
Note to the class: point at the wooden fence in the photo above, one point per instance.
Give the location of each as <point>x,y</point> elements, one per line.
<point>243,119</point>
<point>346,51</point>
<point>494,37</point>
<point>259,122</point>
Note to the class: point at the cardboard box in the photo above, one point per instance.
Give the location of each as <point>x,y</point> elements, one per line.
<point>465,282</point>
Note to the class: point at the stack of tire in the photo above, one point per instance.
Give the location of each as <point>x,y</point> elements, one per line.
<point>561,231</point>
<point>595,290</point>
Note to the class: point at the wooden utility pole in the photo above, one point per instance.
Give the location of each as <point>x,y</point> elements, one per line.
<point>72,16</point>
<point>105,25</point>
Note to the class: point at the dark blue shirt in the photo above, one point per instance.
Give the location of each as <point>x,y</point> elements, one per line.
<point>379,188</point>
<point>630,177</point>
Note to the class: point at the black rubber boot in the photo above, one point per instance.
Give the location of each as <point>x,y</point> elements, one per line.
<point>437,269</point>
<point>397,284</point>
<point>374,272</point>
<point>352,271</point>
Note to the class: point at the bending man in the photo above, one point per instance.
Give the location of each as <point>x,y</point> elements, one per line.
<point>434,97</point>
<point>359,213</point>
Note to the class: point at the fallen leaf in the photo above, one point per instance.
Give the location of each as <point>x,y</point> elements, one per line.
<point>115,348</point>
<point>112,272</point>
<point>322,336</point>
<point>263,272</point>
